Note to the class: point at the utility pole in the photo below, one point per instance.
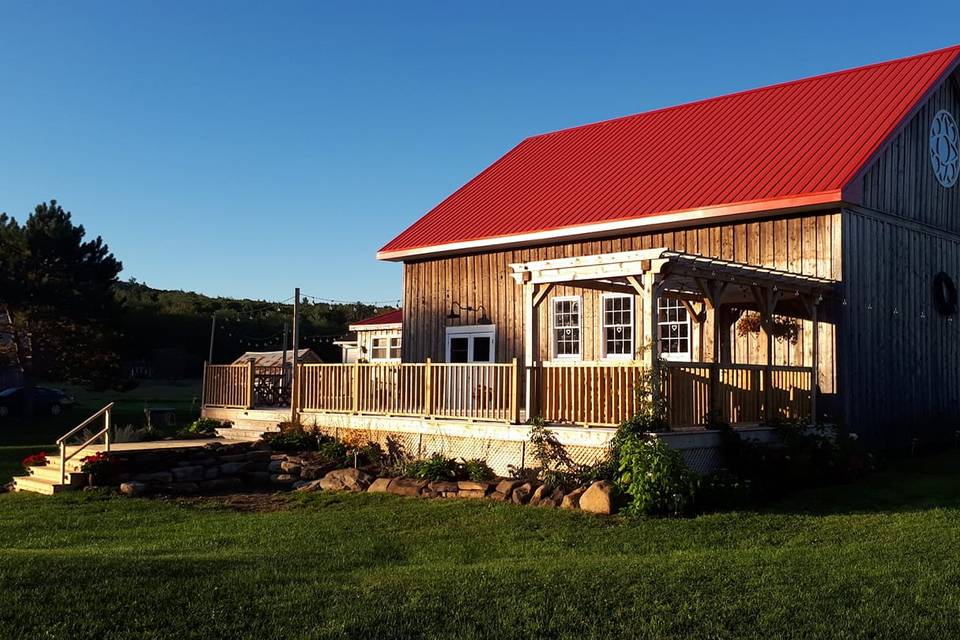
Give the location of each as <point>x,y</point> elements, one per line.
<point>295,359</point>
<point>284,380</point>
<point>213,331</point>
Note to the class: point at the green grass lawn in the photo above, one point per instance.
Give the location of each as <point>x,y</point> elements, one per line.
<point>880,559</point>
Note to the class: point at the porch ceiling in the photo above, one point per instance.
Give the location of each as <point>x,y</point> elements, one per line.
<point>683,276</point>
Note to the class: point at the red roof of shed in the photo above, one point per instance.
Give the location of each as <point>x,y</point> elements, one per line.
<point>795,144</point>
<point>390,317</point>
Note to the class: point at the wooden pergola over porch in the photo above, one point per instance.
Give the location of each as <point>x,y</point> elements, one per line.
<point>703,285</point>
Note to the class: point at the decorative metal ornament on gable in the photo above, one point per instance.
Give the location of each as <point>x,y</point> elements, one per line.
<point>945,148</point>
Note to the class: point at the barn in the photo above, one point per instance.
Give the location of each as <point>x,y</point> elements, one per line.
<point>783,253</point>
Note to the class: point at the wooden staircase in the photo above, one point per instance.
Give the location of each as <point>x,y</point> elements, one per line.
<point>46,479</point>
<point>253,424</point>
<point>62,471</point>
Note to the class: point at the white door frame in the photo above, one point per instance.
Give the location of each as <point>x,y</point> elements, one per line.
<point>468,331</point>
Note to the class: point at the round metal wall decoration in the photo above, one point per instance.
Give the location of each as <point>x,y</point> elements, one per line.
<point>945,148</point>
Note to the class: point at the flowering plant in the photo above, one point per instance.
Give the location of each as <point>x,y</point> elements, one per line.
<point>99,465</point>
<point>35,460</point>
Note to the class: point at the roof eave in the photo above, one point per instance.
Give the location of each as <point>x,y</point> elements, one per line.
<point>727,212</point>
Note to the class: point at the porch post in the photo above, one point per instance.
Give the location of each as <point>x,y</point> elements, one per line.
<point>715,367</point>
<point>652,285</point>
<point>530,321</point>
<point>768,370</point>
<point>815,362</point>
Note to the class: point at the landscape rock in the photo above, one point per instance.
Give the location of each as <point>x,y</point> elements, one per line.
<point>380,485</point>
<point>183,488</point>
<point>307,485</point>
<point>276,466</point>
<point>407,486</point>
<point>469,485</point>
<point>506,487</point>
<point>160,477</point>
<point>134,489</point>
<point>233,468</point>
<point>315,472</point>
<point>258,456</point>
<point>572,499</point>
<point>211,473</point>
<point>187,474</point>
<point>598,498</point>
<point>257,477</point>
<point>522,493</point>
<point>282,478</point>
<point>444,487</point>
<point>236,457</point>
<point>472,493</point>
<point>346,480</point>
<point>290,467</point>
<point>499,496</point>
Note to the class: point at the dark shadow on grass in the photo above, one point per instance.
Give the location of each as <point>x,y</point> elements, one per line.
<point>910,485</point>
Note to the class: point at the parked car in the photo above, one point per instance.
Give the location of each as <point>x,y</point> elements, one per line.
<point>13,401</point>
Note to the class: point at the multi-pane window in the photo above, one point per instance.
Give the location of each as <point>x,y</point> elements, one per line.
<point>385,348</point>
<point>617,326</point>
<point>674,329</point>
<point>566,327</point>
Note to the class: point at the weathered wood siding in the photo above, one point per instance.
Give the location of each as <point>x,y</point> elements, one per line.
<point>902,183</point>
<point>803,244</point>
<point>901,364</point>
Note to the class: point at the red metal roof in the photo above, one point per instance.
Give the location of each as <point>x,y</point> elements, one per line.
<point>390,317</point>
<point>795,144</point>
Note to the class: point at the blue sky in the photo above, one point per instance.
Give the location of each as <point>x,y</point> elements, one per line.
<point>244,148</point>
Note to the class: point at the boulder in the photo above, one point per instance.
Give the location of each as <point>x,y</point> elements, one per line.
<point>572,499</point>
<point>506,487</point>
<point>276,466</point>
<point>380,485</point>
<point>235,457</point>
<point>472,493</point>
<point>183,488</point>
<point>538,495</point>
<point>160,477</point>
<point>316,471</point>
<point>444,487</point>
<point>522,493</point>
<point>598,498</point>
<point>258,456</point>
<point>233,468</point>
<point>544,496</point>
<point>407,486</point>
<point>346,480</point>
<point>134,488</point>
<point>469,485</point>
<point>305,486</point>
<point>256,477</point>
<point>290,467</point>
<point>282,478</point>
<point>210,473</point>
<point>187,474</point>
<point>499,496</point>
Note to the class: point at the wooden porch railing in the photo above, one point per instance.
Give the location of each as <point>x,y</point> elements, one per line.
<point>592,393</point>
<point>744,393</point>
<point>228,386</point>
<point>475,391</point>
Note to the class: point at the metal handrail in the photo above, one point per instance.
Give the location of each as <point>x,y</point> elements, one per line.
<point>64,458</point>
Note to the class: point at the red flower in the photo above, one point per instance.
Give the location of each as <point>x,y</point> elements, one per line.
<point>35,460</point>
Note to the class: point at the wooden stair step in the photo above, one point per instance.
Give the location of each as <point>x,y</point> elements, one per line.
<point>38,485</point>
<point>52,473</point>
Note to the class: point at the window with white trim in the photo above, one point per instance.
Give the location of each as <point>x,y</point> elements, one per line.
<point>617,326</point>
<point>674,330</point>
<point>384,348</point>
<point>566,327</point>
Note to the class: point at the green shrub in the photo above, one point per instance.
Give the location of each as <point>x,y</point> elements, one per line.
<point>655,477</point>
<point>435,468</point>
<point>333,450</point>
<point>206,427</point>
<point>292,438</point>
<point>477,470</point>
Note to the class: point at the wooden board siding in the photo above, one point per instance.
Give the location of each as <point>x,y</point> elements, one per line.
<point>901,181</point>
<point>900,368</point>
<point>805,244</point>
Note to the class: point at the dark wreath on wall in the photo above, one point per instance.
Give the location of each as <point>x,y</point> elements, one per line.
<point>944,294</point>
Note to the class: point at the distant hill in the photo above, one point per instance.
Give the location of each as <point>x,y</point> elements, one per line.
<point>167,333</point>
